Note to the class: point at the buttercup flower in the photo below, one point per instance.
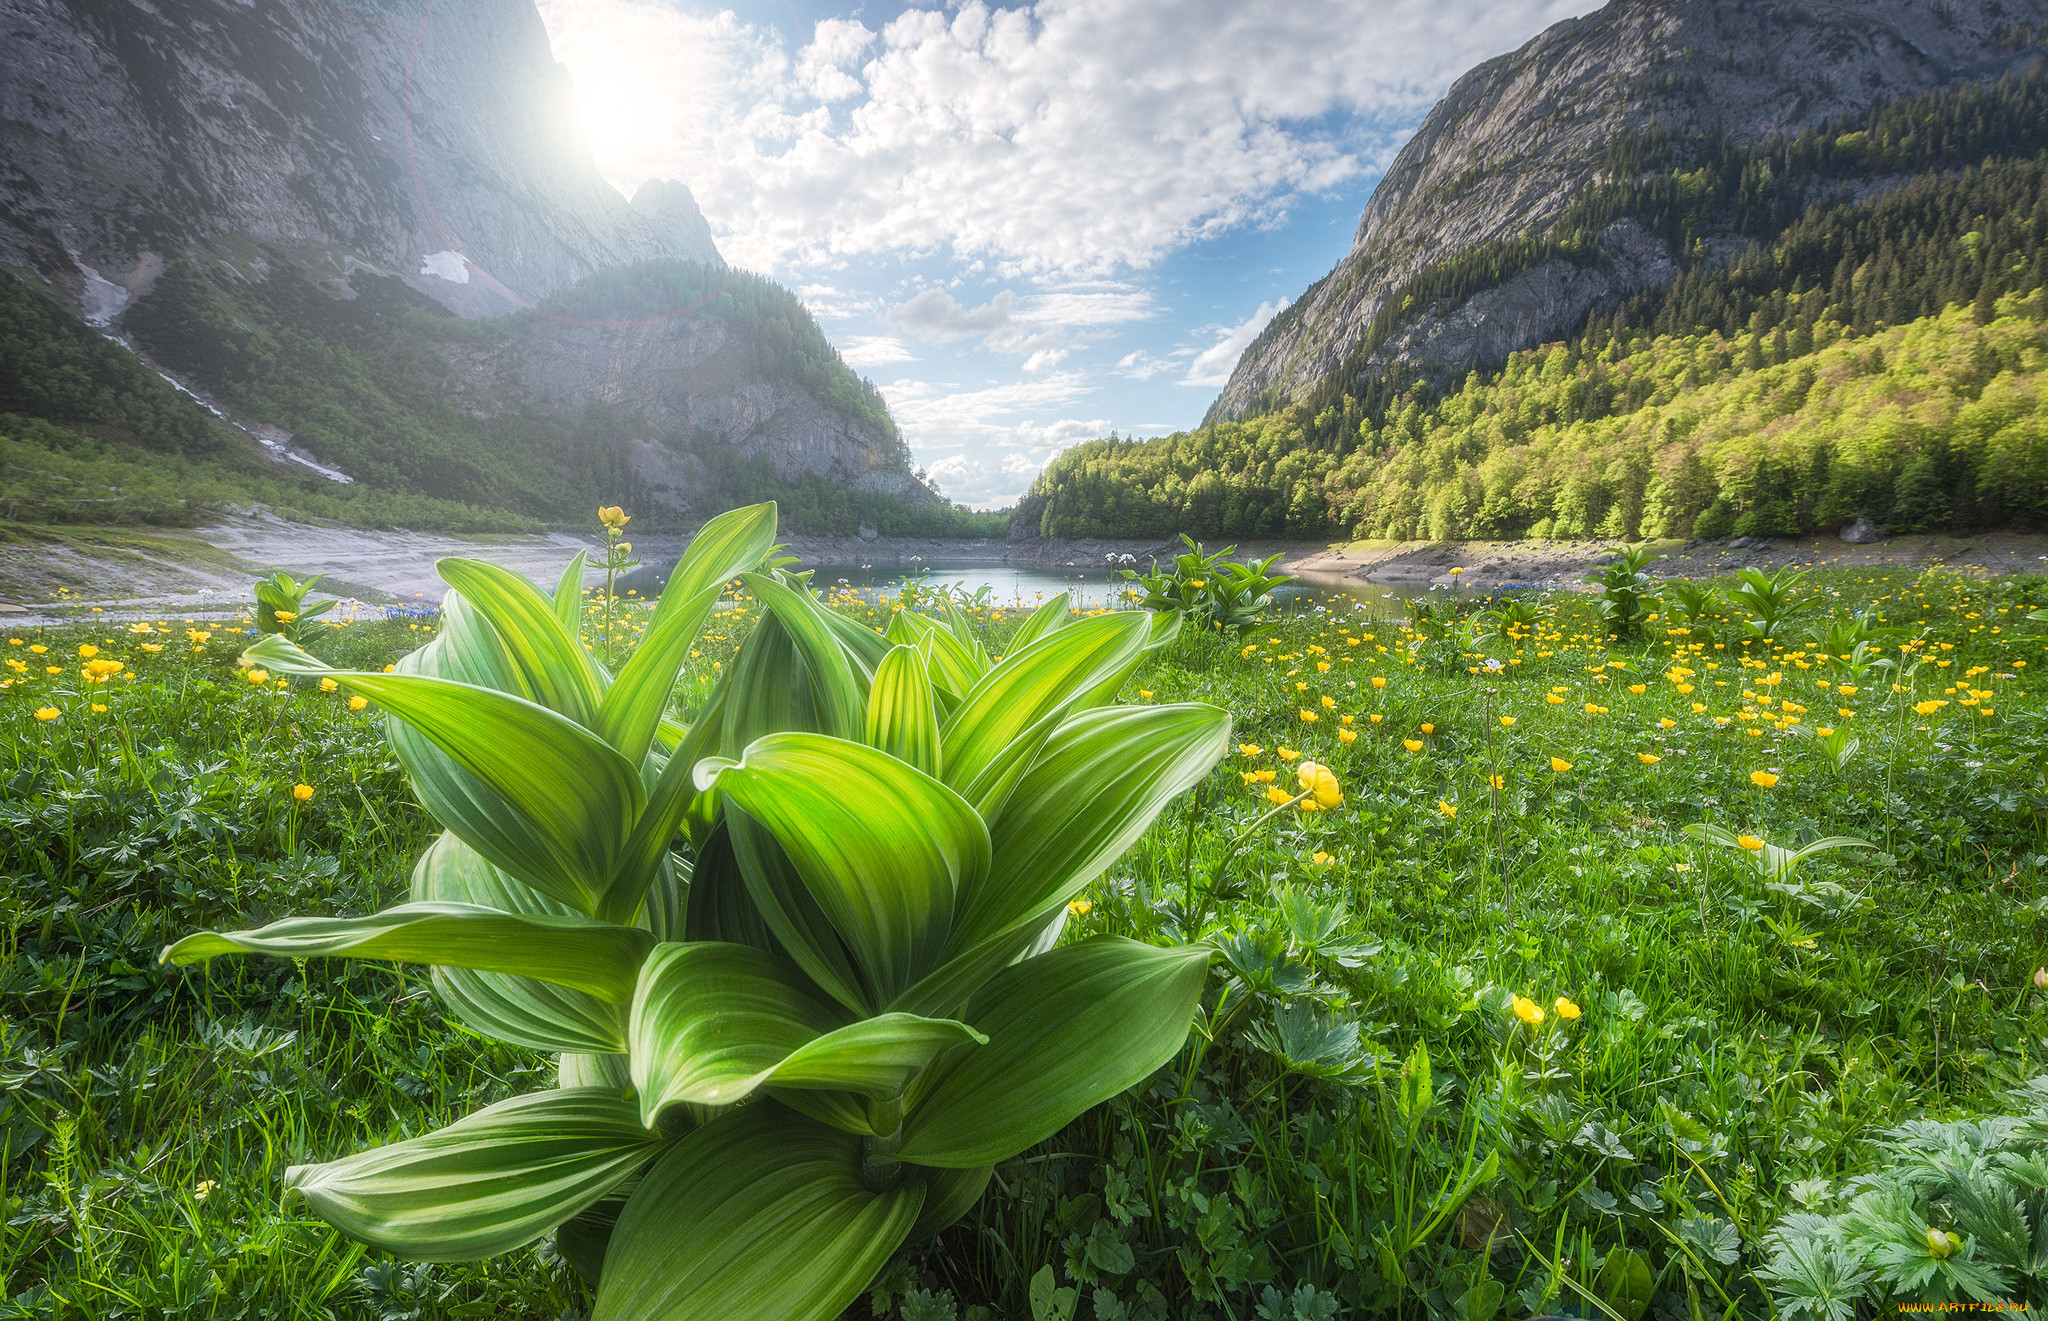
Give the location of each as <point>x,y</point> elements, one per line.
<point>1318,780</point>
<point>1250,749</point>
<point>1287,754</point>
<point>1412,744</point>
<point>1648,758</point>
<point>1507,722</point>
<point>1566,1009</point>
<point>258,676</point>
<point>613,517</point>
<point>358,702</point>
<point>1447,807</point>
<point>1079,907</point>
<point>47,713</point>
<point>1347,736</point>
<point>1750,842</point>
<point>1528,1010</point>
<point>302,792</point>
<point>1762,779</point>
<point>1559,765</point>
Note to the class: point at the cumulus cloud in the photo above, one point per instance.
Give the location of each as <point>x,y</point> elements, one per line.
<point>937,316</point>
<point>1072,137</point>
<point>1212,366</point>
<point>875,351</point>
<point>983,446</point>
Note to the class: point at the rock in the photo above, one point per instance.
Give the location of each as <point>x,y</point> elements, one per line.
<point>1862,532</point>
<point>1523,137</point>
<point>868,533</point>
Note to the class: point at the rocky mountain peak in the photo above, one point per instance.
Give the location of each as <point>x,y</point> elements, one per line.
<point>1518,138</point>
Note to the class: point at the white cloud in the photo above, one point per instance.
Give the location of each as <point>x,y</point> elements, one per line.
<point>985,445</point>
<point>874,351</point>
<point>1070,137</point>
<point>1141,366</point>
<point>1211,367</point>
<point>937,316</point>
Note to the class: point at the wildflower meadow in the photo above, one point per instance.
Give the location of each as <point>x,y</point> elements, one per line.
<point>1457,959</point>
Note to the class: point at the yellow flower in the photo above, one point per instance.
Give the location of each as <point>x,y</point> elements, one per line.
<point>47,713</point>
<point>1379,681</point>
<point>1429,729</point>
<point>1637,689</point>
<point>357,703</point>
<point>1528,1010</point>
<point>1318,779</point>
<point>87,651</point>
<point>1263,777</point>
<point>1250,749</point>
<point>1348,719</point>
<point>1847,690</point>
<point>1448,808</point>
<point>1276,794</point>
<point>1559,765</point>
<point>1507,722</point>
<point>1144,694</point>
<point>38,648</point>
<point>328,685</point>
<point>1553,699</point>
<point>1079,907</point>
<point>258,676</point>
<point>1412,744</point>
<point>1309,717</point>
<point>1666,722</point>
<point>1928,708</point>
<point>99,671</point>
<point>1287,754</point>
<point>1375,717</point>
<point>1648,758</point>
<point>1496,782</point>
<point>1322,859</point>
<point>1750,842</point>
<point>1845,713</point>
<point>99,706</point>
<point>1329,702</point>
<point>1347,736</point>
<point>199,637</point>
<point>1566,1009</point>
<point>302,792</point>
<point>284,616</point>
<point>1762,779</point>
<point>613,517</point>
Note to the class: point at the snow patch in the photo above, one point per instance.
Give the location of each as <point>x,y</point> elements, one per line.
<point>449,265</point>
<point>102,299</point>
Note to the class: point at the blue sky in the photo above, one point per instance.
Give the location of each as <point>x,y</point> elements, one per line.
<point>1029,225</point>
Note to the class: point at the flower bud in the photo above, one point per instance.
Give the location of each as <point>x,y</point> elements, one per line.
<point>1941,1246</point>
<point>2041,978</point>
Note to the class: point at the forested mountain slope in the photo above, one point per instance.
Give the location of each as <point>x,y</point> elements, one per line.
<point>373,239</point>
<point>1604,157</point>
<point>1881,358</point>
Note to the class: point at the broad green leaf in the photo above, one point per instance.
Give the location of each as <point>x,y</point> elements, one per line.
<point>468,649</point>
<point>712,1022</point>
<point>797,920</point>
<point>530,1013</point>
<point>549,660</point>
<point>948,1195</point>
<point>632,707</point>
<point>596,957</point>
<point>719,906</point>
<point>864,646</point>
<point>508,1008</point>
<point>556,802</point>
<point>1097,785</point>
<point>485,1184</point>
<point>1066,1031</point>
<point>902,720</point>
<point>881,846</point>
<point>845,1111</point>
<point>1042,680</point>
<point>835,697</point>
<point>1164,628</point>
<point>955,622</point>
<point>612,1072</point>
<point>668,808</point>
<point>1047,618</point>
<point>736,540</point>
<point>768,689</point>
<point>569,594</point>
<point>954,668</point>
<point>757,1216</point>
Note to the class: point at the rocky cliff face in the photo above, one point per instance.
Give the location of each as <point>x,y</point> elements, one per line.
<point>432,140</point>
<point>1519,137</point>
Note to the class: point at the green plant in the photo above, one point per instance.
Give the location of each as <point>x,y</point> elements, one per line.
<point>1955,1211</point>
<point>282,609</point>
<point>1769,598</point>
<point>1625,596</point>
<point>810,1036</point>
<point>1842,634</point>
<point>1697,603</point>
<point>1209,591</point>
<point>1772,862</point>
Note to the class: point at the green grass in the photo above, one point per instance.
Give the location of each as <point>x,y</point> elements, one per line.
<point>1739,1047</point>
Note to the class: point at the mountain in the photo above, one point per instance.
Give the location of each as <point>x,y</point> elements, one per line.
<point>369,239</point>
<point>1522,205</point>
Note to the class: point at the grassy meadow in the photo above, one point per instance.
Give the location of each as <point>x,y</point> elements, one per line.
<point>1492,1036</point>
